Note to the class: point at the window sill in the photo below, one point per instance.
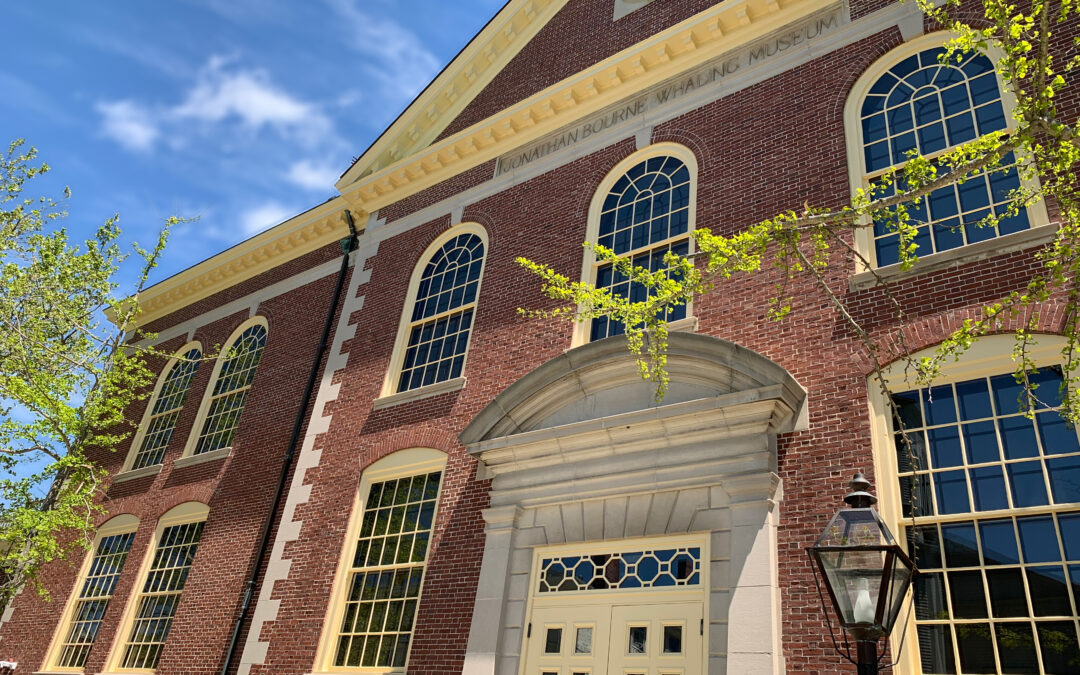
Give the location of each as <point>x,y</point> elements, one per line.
<point>687,325</point>
<point>213,455</point>
<point>151,470</point>
<point>419,393</point>
<point>938,261</point>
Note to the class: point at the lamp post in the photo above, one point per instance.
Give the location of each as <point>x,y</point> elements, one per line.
<point>866,573</point>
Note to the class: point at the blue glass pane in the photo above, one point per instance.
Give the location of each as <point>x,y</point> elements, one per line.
<point>961,128</point>
<point>967,594</point>
<point>983,89</point>
<point>905,67</point>
<point>945,447</point>
<point>990,118</point>
<point>924,546</point>
<point>981,442</point>
<point>900,120</point>
<point>939,405</point>
<point>927,109</point>
<point>1007,393</point>
<point>955,99</point>
<point>1002,182</point>
<point>951,489</point>
<point>931,57</point>
<point>978,65</point>
<point>1014,223</point>
<point>1028,487</point>
<point>988,488</point>
<point>1058,436</point>
<point>1064,479</point>
<point>973,194</point>
<point>943,203</point>
<point>877,156</point>
<point>901,145</point>
<point>1007,597</point>
<point>922,241</point>
<point>1038,540</point>
<point>884,84</point>
<point>961,549</point>
<point>1070,534</point>
<point>998,542</point>
<point>888,250</point>
<point>907,408</point>
<point>948,75</point>
<point>873,128</point>
<point>973,397</point>
<point>947,234</point>
<point>873,104</point>
<point>1018,437</point>
<point>932,138</point>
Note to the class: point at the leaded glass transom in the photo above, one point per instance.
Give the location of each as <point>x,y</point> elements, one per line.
<point>925,105</point>
<point>645,214</point>
<point>94,597</point>
<point>231,389</point>
<point>647,568</point>
<point>998,589</point>
<point>387,573</point>
<point>442,314</point>
<point>160,596</point>
<point>166,410</point>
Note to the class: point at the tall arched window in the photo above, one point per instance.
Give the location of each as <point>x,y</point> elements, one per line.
<point>911,100</point>
<point>644,209</point>
<point>223,404</point>
<point>440,319</point>
<point>163,412</point>
<point>988,498</point>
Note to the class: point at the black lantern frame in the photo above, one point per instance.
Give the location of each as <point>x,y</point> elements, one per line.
<point>857,558</point>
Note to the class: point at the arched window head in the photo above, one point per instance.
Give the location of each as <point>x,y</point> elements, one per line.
<point>164,409</point>
<point>441,317</point>
<point>920,103</point>
<point>228,392</point>
<point>646,211</point>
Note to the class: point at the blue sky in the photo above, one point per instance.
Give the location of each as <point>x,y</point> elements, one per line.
<point>237,112</point>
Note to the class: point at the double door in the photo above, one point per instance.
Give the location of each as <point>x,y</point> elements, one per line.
<point>616,639</point>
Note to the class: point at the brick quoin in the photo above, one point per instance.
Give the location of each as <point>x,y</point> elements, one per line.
<point>768,147</point>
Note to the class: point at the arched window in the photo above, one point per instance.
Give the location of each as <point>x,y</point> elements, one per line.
<point>920,103</point>
<point>77,631</point>
<point>379,579</point>
<point>163,412</point>
<point>644,209</point>
<point>988,500</point>
<point>440,319</point>
<point>234,372</point>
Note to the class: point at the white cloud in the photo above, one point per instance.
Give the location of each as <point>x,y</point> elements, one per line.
<point>129,124</point>
<point>398,58</point>
<point>310,176</point>
<point>219,96</point>
<point>264,216</point>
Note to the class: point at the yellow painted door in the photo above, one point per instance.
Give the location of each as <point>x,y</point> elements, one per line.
<point>660,639</point>
<point>568,641</point>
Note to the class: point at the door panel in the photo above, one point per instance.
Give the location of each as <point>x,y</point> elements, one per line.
<point>660,639</point>
<point>569,641</point>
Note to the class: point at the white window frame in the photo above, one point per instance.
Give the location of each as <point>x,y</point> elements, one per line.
<point>990,355</point>
<point>400,464</point>
<point>208,395</point>
<point>148,414</point>
<point>857,173</point>
<point>124,523</point>
<point>590,265</point>
<point>182,514</point>
<point>405,324</point>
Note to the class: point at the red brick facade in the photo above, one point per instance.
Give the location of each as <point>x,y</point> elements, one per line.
<point>768,147</point>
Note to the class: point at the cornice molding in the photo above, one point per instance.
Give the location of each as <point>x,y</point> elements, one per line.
<point>291,239</point>
<point>458,84</point>
<point>705,36</point>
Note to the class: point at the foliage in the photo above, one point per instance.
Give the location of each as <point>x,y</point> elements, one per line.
<point>806,243</point>
<point>65,375</point>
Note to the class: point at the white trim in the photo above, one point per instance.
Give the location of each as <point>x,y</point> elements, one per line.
<point>213,455</point>
<point>123,476</point>
<point>857,173</point>
<point>444,387</point>
<point>137,440</point>
<point>208,395</point>
<point>393,372</point>
<point>589,264</point>
<point>409,462</point>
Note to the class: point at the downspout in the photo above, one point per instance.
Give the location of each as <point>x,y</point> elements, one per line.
<point>348,245</point>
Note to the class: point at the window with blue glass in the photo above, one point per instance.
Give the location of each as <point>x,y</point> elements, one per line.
<point>925,105</point>
<point>992,496</point>
<point>442,314</point>
<point>645,214</point>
